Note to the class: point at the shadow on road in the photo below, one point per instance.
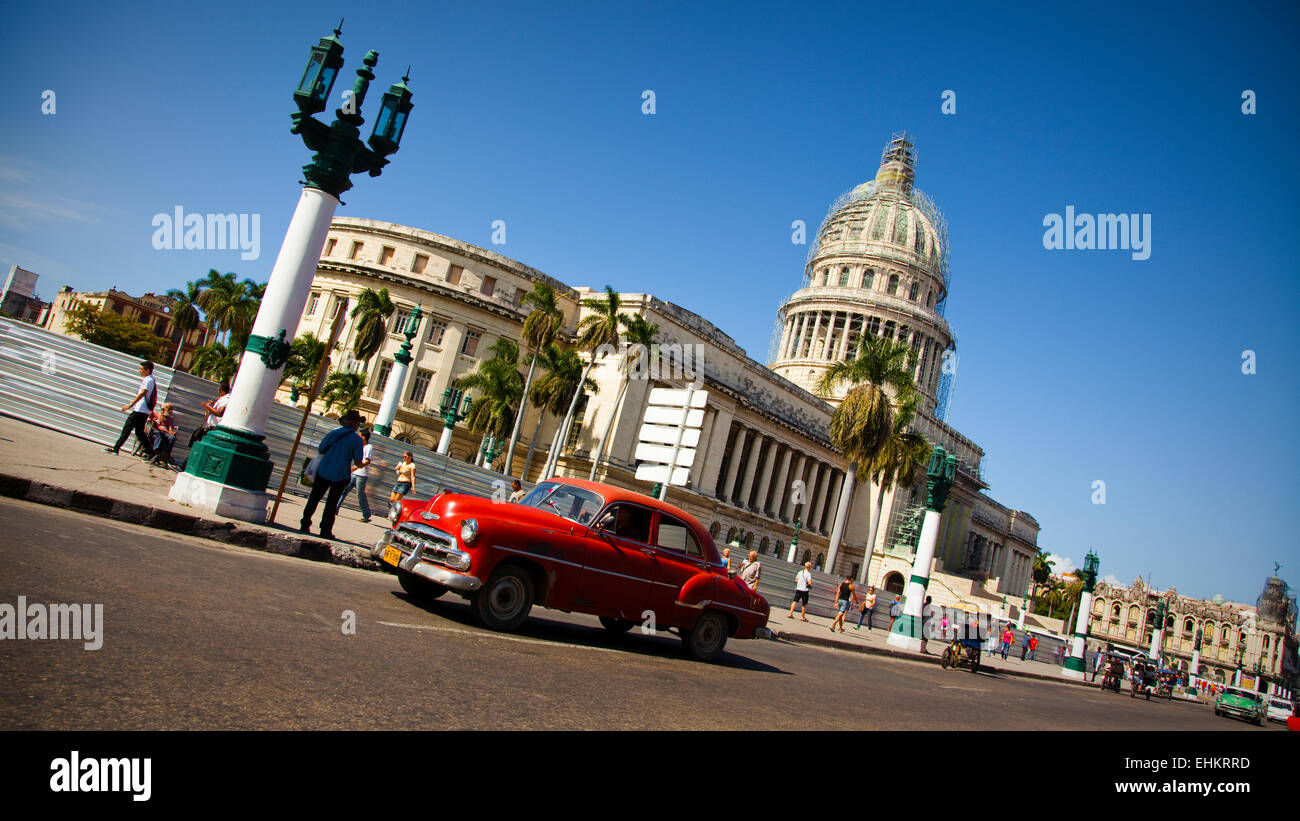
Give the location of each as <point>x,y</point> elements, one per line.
<point>662,644</point>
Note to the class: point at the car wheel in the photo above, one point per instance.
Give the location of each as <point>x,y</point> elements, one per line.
<point>616,625</point>
<point>706,639</point>
<point>419,588</point>
<point>504,602</point>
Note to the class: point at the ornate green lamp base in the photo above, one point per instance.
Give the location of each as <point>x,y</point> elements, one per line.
<point>382,430</point>
<point>227,474</point>
<point>1074,668</point>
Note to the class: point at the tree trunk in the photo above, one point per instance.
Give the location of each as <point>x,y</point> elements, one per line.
<point>874,516</point>
<point>553,462</point>
<point>600,448</point>
<point>532,444</point>
<point>180,346</point>
<point>519,417</point>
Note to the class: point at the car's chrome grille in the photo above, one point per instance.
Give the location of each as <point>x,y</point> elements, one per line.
<point>429,544</point>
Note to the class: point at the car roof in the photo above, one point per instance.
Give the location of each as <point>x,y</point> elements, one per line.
<point>613,493</point>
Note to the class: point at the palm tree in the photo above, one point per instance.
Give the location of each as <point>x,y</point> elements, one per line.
<point>638,335</point>
<point>900,463</point>
<point>343,389</point>
<point>185,316</point>
<point>371,313</point>
<point>216,362</point>
<point>241,311</point>
<point>305,355</point>
<point>597,329</point>
<point>541,328</point>
<point>554,392</point>
<point>862,424</point>
<point>500,386</point>
<point>1042,570</point>
<point>220,291</point>
<point>214,278</point>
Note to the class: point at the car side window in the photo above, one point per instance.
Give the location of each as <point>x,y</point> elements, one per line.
<point>627,522</point>
<point>676,535</point>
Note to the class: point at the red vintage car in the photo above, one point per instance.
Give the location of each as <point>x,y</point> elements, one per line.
<point>575,546</point>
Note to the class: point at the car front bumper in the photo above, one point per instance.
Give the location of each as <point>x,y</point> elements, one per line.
<point>423,560</point>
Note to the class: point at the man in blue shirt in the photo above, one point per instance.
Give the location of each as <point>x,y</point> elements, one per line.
<point>339,450</point>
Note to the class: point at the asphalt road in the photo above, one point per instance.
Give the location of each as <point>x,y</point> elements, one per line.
<point>199,635</point>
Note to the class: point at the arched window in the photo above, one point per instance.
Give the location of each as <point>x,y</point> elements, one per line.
<point>731,535</point>
<point>919,244</point>
<point>715,529</point>
<point>1114,614</point>
<point>878,227</point>
<point>821,559</point>
<point>868,278</point>
<point>893,285</point>
<point>1189,628</point>
<point>916,289</point>
<point>900,227</point>
<point>844,276</point>
<point>889,330</point>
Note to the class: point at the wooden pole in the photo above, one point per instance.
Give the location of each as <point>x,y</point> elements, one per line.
<point>311,400</point>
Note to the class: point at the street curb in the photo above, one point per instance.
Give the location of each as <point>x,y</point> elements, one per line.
<point>797,638</point>
<point>255,538</point>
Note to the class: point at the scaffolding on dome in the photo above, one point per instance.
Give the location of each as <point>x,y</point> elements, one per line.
<point>900,150</point>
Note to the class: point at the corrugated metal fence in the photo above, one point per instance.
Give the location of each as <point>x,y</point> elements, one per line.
<point>74,387</point>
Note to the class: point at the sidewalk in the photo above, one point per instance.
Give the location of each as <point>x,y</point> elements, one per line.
<point>41,465</point>
<point>816,631</point>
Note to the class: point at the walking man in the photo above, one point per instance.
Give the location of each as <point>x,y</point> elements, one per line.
<point>1024,645</point>
<point>1097,659</point>
<point>339,450</point>
<point>358,479</point>
<point>750,570</point>
<point>927,621</point>
<point>844,596</point>
<point>802,585</point>
<point>1033,645</point>
<point>868,608</point>
<point>139,409</point>
<point>895,610</point>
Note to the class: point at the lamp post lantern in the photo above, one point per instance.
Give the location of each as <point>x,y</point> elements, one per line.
<point>397,377</point>
<point>941,476</point>
<point>1076,661</point>
<point>451,414</point>
<point>1158,634</point>
<point>228,469</point>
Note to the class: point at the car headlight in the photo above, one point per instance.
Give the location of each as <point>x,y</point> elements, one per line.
<point>469,531</point>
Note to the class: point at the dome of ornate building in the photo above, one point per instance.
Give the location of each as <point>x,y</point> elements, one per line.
<point>880,266</point>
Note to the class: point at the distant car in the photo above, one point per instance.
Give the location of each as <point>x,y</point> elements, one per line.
<point>1234,701</point>
<point>1279,709</point>
<point>574,546</point>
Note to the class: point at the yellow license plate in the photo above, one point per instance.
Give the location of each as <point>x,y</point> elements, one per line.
<point>392,556</point>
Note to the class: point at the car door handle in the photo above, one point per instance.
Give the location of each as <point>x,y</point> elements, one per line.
<point>648,551</point>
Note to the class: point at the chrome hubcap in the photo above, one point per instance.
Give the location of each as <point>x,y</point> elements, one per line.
<point>507,598</point>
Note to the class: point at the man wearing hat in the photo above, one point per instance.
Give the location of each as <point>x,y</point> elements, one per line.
<point>339,450</point>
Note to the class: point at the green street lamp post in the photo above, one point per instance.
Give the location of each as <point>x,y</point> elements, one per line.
<point>1158,632</point>
<point>1196,652</point>
<point>794,541</point>
<point>941,476</point>
<point>228,470</point>
<point>489,450</point>
<point>397,377</point>
<point>1075,663</point>
<point>451,411</point>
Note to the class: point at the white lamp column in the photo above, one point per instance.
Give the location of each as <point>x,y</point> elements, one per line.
<point>942,473</point>
<point>397,377</point>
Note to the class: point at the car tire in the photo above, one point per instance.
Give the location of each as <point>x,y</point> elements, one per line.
<point>419,588</point>
<point>706,639</point>
<point>504,602</point>
<point>616,625</point>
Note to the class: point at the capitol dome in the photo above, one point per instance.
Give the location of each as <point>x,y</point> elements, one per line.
<point>878,266</point>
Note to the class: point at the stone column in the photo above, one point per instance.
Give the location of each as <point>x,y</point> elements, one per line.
<point>765,479</point>
<point>797,476</point>
<point>737,450</point>
<point>751,467</point>
<point>713,451</point>
<point>823,486</point>
<point>841,513</point>
<point>778,493</point>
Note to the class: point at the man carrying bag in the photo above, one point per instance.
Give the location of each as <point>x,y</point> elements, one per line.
<point>339,450</point>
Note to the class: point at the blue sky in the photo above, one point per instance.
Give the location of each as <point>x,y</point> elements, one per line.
<point>1074,366</point>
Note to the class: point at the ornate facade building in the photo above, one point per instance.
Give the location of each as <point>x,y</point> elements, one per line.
<point>1232,637</point>
<point>151,310</point>
<point>764,435</point>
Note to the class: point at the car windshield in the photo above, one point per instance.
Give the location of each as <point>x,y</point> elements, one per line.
<point>573,503</point>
